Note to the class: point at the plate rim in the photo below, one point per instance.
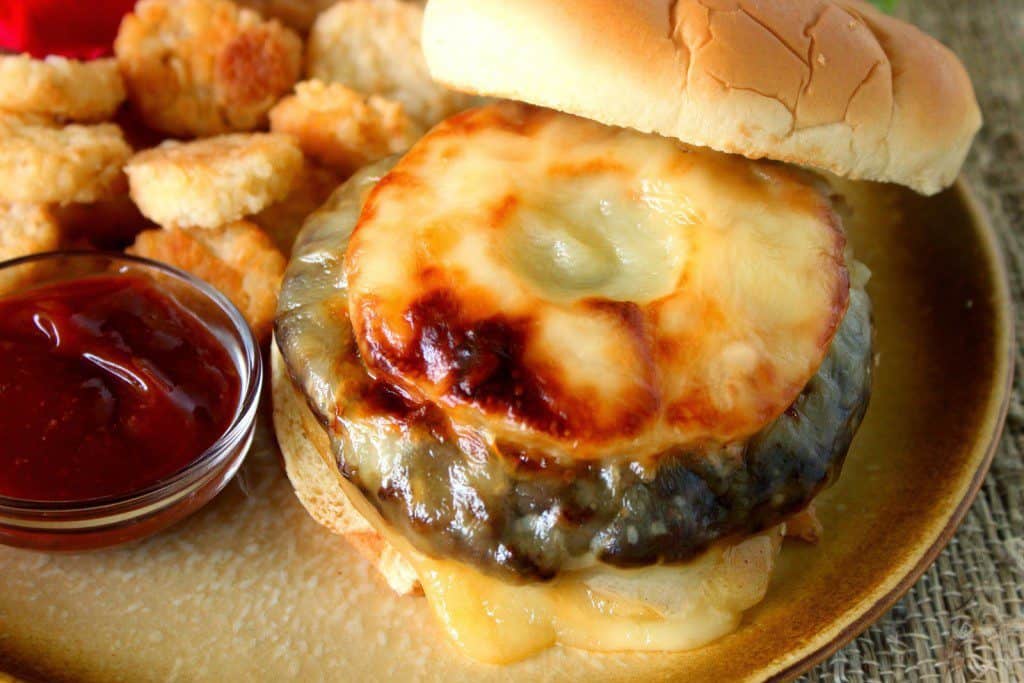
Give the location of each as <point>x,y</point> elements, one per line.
<point>868,611</point>
<point>874,608</point>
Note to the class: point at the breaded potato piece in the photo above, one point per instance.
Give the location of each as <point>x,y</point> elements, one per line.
<point>342,128</point>
<point>238,259</point>
<point>283,220</point>
<point>65,88</point>
<point>205,67</point>
<point>25,229</point>
<point>298,14</point>
<point>44,162</point>
<point>207,183</point>
<point>373,46</point>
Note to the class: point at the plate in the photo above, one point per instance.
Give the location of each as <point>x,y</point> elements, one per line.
<point>251,588</point>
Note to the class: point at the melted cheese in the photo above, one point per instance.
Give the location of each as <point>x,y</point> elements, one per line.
<point>664,608</point>
<point>579,243</point>
<point>651,609</point>
<point>601,608</point>
<point>640,294</point>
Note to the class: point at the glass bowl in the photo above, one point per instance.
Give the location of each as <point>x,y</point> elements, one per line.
<point>113,520</point>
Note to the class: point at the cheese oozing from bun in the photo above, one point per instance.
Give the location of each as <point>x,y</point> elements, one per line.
<point>667,608</point>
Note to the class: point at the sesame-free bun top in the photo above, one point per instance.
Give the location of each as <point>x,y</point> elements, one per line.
<point>833,84</point>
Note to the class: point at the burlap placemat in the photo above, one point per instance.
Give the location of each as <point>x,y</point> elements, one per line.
<point>964,620</point>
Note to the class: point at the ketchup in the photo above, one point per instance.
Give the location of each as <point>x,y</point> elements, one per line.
<point>107,386</point>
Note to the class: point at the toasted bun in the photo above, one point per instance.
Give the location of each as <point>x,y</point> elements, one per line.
<point>306,450</point>
<point>833,84</point>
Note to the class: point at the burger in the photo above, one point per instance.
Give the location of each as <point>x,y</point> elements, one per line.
<point>571,365</point>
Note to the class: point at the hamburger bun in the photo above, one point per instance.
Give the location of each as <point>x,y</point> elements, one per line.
<point>833,84</point>
<point>326,495</point>
<point>427,407</point>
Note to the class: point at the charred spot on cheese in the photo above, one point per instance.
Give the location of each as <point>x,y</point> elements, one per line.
<point>448,477</point>
<point>484,363</point>
<point>381,398</point>
<point>594,291</point>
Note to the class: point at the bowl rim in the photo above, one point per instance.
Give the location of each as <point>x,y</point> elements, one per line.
<point>250,366</point>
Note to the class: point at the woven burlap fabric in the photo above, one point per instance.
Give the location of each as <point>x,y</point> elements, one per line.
<point>964,620</point>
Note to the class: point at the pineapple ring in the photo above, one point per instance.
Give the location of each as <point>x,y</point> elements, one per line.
<point>585,291</point>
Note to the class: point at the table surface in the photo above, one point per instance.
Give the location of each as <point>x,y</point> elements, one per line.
<point>964,620</point>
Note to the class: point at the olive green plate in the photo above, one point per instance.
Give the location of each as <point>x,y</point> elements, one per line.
<point>251,588</point>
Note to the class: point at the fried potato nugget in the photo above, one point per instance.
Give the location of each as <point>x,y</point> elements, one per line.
<point>298,14</point>
<point>42,161</point>
<point>342,128</point>
<point>25,229</point>
<point>66,88</point>
<point>373,46</point>
<point>283,220</point>
<point>207,183</point>
<point>205,67</point>
<point>238,259</point>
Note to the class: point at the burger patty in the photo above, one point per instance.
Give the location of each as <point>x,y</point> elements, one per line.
<point>522,517</point>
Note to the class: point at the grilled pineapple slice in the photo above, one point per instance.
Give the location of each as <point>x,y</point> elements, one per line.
<point>587,291</point>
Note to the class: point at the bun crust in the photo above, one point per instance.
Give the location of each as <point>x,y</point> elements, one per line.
<point>833,84</point>
<point>323,492</point>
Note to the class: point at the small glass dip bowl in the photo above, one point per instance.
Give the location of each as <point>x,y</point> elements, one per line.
<point>112,520</point>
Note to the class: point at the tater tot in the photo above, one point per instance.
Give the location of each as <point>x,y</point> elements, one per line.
<point>205,67</point>
<point>239,259</point>
<point>207,183</point>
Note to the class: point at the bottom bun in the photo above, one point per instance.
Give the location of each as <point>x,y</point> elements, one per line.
<point>600,608</point>
<point>325,494</point>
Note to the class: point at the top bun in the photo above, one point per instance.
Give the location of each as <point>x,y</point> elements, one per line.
<point>833,84</point>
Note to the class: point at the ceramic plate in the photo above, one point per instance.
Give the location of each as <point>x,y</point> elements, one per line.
<point>251,588</point>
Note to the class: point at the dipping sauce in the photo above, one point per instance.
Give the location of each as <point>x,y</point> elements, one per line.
<point>107,386</point>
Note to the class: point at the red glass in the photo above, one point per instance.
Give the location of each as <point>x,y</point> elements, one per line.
<point>83,29</point>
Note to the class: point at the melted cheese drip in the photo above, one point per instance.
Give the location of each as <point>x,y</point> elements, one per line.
<point>652,609</point>
<point>602,609</point>
<point>664,296</point>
